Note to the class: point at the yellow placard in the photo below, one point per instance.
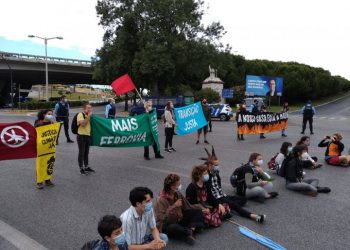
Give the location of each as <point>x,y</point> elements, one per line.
<point>44,167</point>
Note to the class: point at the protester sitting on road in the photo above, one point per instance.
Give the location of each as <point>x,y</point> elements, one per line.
<point>174,214</point>
<point>293,172</point>
<point>110,111</point>
<point>214,186</point>
<point>207,115</point>
<point>84,139</point>
<point>285,150</point>
<point>44,117</point>
<point>169,129</point>
<point>111,232</point>
<point>149,109</point>
<point>241,109</point>
<point>257,181</point>
<point>197,194</point>
<point>285,108</point>
<point>334,150</point>
<point>139,223</point>
<point>307,160</point>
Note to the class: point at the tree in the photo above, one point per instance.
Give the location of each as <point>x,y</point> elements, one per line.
<point>209,94</point>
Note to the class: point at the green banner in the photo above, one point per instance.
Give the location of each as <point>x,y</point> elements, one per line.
<point>135,131</point>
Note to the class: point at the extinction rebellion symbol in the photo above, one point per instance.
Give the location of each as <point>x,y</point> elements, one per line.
<point>14,136</point>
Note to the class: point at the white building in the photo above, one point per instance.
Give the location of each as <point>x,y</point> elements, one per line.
<point>213,82</point>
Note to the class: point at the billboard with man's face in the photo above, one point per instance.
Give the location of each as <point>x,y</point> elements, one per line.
<point>264,85</point>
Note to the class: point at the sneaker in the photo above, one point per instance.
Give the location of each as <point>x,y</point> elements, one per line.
<point>323,189</point>
<point>88,169</point>
<point>260,218</point>
<point>49,183</point>
<point>159,156</point>
<point>311,133</point>
<point>172,149</point>
<point>190,240</point>
<point>284,135</point>
<point>319,165</point>
<point>273,195</point>
<point>147,158</point>
<point>70,141</point>
<point>197,142</point>
<point>302,132</point>
<point>206,142</point>
<point>82,172</point>
<point>262,137</point>
<point>40,186</point>
<point>167,150</point>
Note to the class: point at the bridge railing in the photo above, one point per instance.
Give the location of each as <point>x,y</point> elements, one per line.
<point>28,57</point>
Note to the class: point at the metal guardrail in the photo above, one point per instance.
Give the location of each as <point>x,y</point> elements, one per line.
<point>28,57</point>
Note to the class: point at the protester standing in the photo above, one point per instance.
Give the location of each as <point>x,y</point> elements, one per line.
<point>207,115</point>
<point>308,112</point>
<point>44,117</point>
<point>285,108</point>
<point>62,115</point>
<point>110,111</point>
<point>84,138</point>
<point>149,109</point>
<point>241,109</point>
<point>169,131</point>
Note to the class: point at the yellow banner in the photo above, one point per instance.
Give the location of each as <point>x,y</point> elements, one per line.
<point>46,150</point>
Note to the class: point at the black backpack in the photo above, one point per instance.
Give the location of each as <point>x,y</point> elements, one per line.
<point>90,245</point>
<point>74,126</point>
<point>282,170</point>
<point>237,179</point>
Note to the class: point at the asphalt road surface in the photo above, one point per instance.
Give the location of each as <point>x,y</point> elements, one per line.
<point>66,216</point>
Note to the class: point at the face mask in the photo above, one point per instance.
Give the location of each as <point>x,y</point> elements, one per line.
<point>179,188</point>
<point>290,149</point>
<point>206,177</point>
<point>49,117</point>
<point>260,162</point>
<point>148,207</point>
<point>65,99</point>
<point>120,240</point>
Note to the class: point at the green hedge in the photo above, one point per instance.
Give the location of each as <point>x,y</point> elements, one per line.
<point>33,105</point>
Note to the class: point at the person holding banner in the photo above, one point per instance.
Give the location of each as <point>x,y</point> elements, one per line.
<point>285,108</point>
<point>241,109</point>
<point>169,127</point>
<point>45,117</point>
<point>207,115</point>
<point>148,109</point>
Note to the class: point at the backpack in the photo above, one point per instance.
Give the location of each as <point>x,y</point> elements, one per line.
<point>272,163</point>
<point>74,126</point>
<point>237,179</point>
<point>90,245</point>
<point>281,171</point>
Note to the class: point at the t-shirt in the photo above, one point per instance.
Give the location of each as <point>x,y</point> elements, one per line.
<point>83,130</point>
<point>279,159</point>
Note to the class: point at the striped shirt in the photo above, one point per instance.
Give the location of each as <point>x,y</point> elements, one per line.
<point>136,227</point>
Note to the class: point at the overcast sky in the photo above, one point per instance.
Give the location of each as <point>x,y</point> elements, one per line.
<point>308,31</point>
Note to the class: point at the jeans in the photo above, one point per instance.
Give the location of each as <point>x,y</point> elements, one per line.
<point>84,142</point>
<point>305,120</point>
<point>236,203</point>
<point>149,237</point>
<point>65,121</point>
<point>259,192</point>
<point>169,133</point>
<point>304,186</point>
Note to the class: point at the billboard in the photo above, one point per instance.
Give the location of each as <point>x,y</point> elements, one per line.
<point>264,85</point>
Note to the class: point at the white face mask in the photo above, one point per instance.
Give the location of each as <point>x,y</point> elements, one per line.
<point>304,155</point>
<point>290,149</point>
<point>260,162</point>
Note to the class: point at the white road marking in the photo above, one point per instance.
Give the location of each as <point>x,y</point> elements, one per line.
<point>322,117</point>
<point>18,239</point>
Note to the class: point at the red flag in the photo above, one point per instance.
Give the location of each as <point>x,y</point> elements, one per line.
<point>17,141</point>
<point>123,85</point>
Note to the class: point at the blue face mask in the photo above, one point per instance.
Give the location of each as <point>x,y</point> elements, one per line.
<point>120,240</point>
<point>206,177</point>
<point>49,117</point>
<point>179,188</point>
<point>148,207</point>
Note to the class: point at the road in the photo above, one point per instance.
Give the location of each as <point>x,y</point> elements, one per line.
<point>66,216</point>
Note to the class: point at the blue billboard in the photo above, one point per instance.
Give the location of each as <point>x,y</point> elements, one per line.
<point>264,86</point>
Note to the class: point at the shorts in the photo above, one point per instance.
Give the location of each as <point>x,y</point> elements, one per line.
<point>333,160</point>
<point>205,129</point>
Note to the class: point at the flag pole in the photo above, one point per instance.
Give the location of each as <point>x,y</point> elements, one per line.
<point>139,95</point>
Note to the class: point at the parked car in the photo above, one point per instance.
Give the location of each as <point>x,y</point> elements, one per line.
<point>159,102</point>
<point>249,102</point>
<point>221,111</point>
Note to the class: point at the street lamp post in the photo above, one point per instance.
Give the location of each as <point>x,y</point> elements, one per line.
<point>46,69</point>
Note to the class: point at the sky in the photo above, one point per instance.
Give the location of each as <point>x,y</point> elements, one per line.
<point>311,32</point>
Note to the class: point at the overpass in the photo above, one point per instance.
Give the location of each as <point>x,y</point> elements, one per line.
<point>27,70</point>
